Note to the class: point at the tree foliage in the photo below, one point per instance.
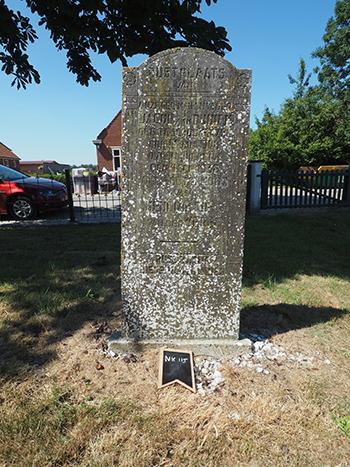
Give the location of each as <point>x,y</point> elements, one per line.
<point>334,55</point>
<point>302,81</point>
<point>309,130</point>
<point>118,28</point>
<point>312,127</point>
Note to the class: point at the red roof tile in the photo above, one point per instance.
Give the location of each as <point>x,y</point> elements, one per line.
<point>7,152</point>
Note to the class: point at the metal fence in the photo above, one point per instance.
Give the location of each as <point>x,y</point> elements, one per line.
<point>283,189</point>
<point>92,200</point>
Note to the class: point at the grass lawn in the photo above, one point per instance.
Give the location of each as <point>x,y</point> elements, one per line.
<point>62,402</point>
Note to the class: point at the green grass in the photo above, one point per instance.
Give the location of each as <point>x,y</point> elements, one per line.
<point>343,423</point>
<point>296,271</point>
<point>280,247</point>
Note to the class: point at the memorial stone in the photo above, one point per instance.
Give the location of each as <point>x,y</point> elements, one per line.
<point>184,159</point>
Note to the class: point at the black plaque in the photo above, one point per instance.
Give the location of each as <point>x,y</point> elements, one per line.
<point>176,366</point>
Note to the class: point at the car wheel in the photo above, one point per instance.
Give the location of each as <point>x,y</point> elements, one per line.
<point>21,208</point>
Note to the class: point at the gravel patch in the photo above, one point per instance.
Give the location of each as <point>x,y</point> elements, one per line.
<point>263,357</point>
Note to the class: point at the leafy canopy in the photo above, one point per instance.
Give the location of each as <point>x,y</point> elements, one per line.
<point>334,55</point>
<point>309,130</point>
<point>118,28</point>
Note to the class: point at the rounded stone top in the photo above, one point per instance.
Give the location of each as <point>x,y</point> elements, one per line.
<point>185,71</point>
<point>188,53</point>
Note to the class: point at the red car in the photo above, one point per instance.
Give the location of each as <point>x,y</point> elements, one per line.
<point>23,197</point>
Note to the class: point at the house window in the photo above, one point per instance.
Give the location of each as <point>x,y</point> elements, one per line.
<point>116,154</point>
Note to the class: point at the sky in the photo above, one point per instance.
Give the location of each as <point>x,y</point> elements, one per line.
<point>59,118</point>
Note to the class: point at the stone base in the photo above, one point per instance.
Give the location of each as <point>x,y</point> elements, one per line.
<point>218,348</point>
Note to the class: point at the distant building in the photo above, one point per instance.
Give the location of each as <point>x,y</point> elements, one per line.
<point>108,145</point>
<point>8,157</point>
<point>42,167</point>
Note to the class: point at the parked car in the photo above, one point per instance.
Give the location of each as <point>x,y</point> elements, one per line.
<point>23,197</point>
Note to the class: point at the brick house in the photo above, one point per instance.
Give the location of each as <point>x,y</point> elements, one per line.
<point>108,145</point>
<point>8,157</point>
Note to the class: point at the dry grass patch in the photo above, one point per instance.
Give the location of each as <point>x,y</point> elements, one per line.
<point>73,414</point>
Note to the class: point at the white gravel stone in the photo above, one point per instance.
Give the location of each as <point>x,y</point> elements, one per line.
<point>208,376</point>
<point>234,416</point>
<point>266,352</point>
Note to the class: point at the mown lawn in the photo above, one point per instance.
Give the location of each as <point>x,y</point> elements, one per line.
<point>60,297</point>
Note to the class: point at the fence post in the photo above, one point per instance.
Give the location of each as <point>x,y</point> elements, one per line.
<point>70,197</point>
<point>255,168</point>
<point>264,187</point>
<point>346,189</point>
<point>249,182</point>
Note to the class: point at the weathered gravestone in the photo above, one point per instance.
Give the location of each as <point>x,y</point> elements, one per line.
<point>185,127</point>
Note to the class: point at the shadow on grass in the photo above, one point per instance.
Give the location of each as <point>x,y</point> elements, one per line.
<point>30,341</point>
<point>269,320</point>
<point>282,246</point>
<point>56,279</point>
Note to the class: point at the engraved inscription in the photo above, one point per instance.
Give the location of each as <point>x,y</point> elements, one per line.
<point>186,72</point>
